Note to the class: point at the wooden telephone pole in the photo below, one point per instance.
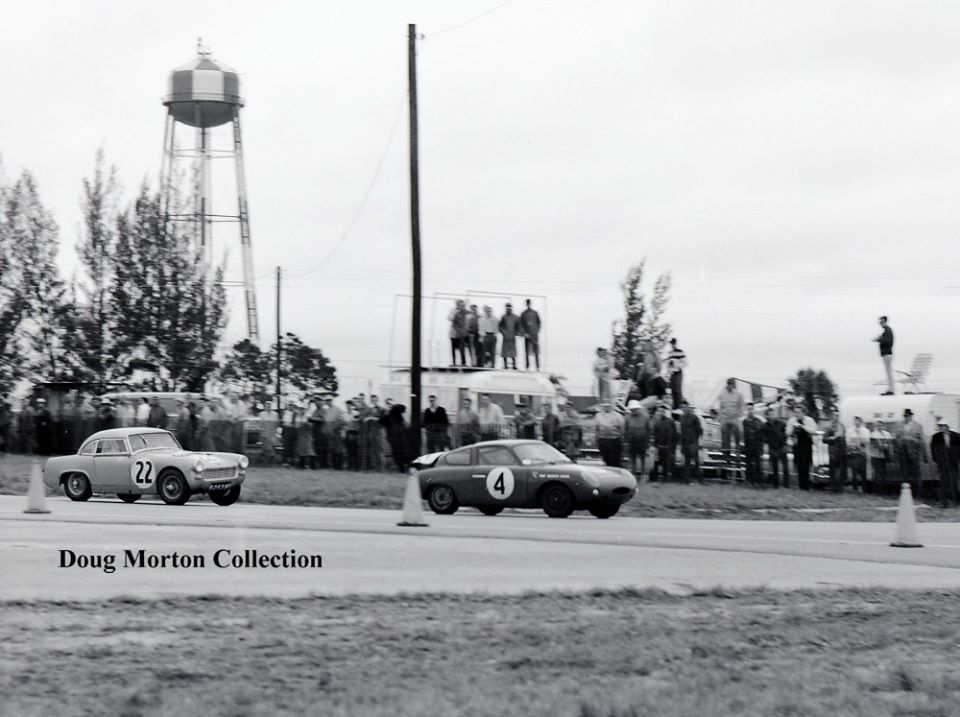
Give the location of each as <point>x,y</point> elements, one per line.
<point>415,242</point>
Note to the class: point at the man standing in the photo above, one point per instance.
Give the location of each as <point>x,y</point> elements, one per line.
<point>525,423</point>
<point>800,430</point>
<point>143,412</point>
<point>474,348</point>
<point>911,445</point>
<point>468,423</point>
<point>157,417</point>
<point>665,443</point>
<point>25,425</point>
<point>690,431</point>
<point>510,328</point>
<point>530,320</point>
<point>43,427</point>
<point>491,419</point>
<point>488,326</point>
<point>885,339</point>
<point>881,451</point>
<point>636,430</point>
<point>458,331</point>
<point>858,442</point>
<point>775,436</point>
<point>602,367</point>
<point>550,427</point>
<point>676,362</point>
<point>730,410</point>
<point>753,446</point>
<point>945,451</point>
<point>609,426</point>
<point>435,425</point>
<point>571,433</point>
<point>836,439</point>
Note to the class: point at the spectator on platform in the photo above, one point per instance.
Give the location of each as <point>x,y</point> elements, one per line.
<point>885,339</point>
<point>636,428</point>
<point>801,429</point>
<point>753,446</point>
<point>458,332</point>
<point>603,372</point>
<point>676,363</point>
<point>775,436</point>
<point>609,428</point>
<point>945,451</point>
<point>858,443</point>
<point>530,320</point>
<point>468,423</point>
<point>492,421</point>
<point>436,426</point>
<point>474,345</point>
<point>691,429</point>
<point>510,328</point>
<point>489,326</point>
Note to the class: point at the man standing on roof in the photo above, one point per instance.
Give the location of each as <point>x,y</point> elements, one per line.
<point>530,320</point>
<point>488,326</point>
<point>458,331</point>
<point>885,339</point>
<point>510,327</point>
<point>474,349</point>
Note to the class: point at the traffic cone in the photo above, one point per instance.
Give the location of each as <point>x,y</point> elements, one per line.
<point>906,536</point>
<point>37,493</point>
<point>412,503</point>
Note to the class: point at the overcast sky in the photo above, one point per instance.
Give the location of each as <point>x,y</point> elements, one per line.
<point>793,165</point>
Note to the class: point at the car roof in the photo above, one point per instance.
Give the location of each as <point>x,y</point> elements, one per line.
<point>124,432</point>
<point>505,442</point>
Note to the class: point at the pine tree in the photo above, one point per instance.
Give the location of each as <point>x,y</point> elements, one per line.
<point>640,324</point>
<point>816,389</point>
<point>12,300</point>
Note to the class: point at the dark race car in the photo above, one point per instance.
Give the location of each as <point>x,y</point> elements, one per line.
<point>494,475</point>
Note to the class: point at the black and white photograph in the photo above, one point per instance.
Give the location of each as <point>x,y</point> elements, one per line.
<point>409,358</point>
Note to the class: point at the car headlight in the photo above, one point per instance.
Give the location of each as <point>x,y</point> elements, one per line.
<point>198,467</point>
<point>244,462</point>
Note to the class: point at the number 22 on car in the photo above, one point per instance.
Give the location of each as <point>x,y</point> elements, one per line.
<point>142,473</point>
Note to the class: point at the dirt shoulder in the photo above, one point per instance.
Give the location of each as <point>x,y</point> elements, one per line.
<point>609,654</point>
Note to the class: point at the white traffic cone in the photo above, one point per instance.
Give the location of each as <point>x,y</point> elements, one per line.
<point>412,503</point>
<point>906,536</point>
<point>37,493</point>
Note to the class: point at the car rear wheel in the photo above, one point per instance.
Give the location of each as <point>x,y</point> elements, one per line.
<point>491,509</point>
<point>77,487</point>
<point>557,501</point>
<point>225,497</point>
<point>442,500</point>
<point>604,511</point>
<point>129,497</point>
<point>173,488</point>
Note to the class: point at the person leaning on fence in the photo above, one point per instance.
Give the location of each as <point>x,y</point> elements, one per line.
<point>690,432</point>
<point>571,432</point>
<point>753,446</point>
<point>912,451</point>
<point>775,436</point>
<point>801,429</point>
<point>609,428</point>
<point>468,423</point>
<point>858,442</point>
<point>945,452</point>
<point>636,429</point>
<point>665,437</point>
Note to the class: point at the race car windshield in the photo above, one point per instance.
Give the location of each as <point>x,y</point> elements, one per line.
<point>532,454</point>
<point>143,441</point>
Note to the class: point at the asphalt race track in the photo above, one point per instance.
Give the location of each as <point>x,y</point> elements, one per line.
<point>365,551</point>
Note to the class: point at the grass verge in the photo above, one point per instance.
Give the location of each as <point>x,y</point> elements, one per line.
<point>599,654</point>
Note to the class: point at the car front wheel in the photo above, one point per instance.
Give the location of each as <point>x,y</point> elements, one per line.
<point>442,500</point>
<point>225,497</point>
<point>557,501</point>
<point>129,497</point>
<point>77,487</point>
<point>173,488</point>
<point>604,511</point>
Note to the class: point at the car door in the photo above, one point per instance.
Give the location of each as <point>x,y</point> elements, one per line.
<point>112,465</point>
<point>498,478</point>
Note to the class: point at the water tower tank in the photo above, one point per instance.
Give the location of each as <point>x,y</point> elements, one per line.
<point>203,93</point>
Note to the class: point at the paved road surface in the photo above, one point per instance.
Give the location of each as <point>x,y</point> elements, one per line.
<point>364,551</point>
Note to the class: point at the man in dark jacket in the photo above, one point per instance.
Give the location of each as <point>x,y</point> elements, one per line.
<point>775,436</point>
<point>435,425</point>
<point>690,431</point>
<point>836,439</point>
<point>43,428</point>
<point>550,426</point>
<point>636,432</point>
<point>945,451</point>
<point>158,414</point>
<point>753,446</point>
<point>665,441</point>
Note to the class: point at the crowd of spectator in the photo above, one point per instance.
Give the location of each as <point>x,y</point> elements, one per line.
<point>474,335</point>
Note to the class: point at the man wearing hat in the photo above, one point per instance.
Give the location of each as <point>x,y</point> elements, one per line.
<point>636,431</point>
<point>911,449</point>
<point>525,423</point>
<point>609,426</point>
<point>945,451</point>
<point>885,339</point>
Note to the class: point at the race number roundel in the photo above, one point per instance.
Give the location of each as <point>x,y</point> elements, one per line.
<point>142,473</point>
<point>500,483</point>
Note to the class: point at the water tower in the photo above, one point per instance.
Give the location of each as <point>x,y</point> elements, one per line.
<point>204,94</point>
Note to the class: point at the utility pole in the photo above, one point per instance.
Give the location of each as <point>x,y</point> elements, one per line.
<point>279,413</point>
<point>415,240</point>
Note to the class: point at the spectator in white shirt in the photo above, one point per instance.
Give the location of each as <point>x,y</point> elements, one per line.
<point>492,421</point>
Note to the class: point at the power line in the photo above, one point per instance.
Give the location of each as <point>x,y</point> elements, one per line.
<point>469,20</point>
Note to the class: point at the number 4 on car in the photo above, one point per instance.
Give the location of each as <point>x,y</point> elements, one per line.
<point>132,462</point>
<point>494,475</point>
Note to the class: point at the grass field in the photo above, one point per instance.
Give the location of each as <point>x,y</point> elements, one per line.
<point>603,654</point>
<point>288,486</point>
